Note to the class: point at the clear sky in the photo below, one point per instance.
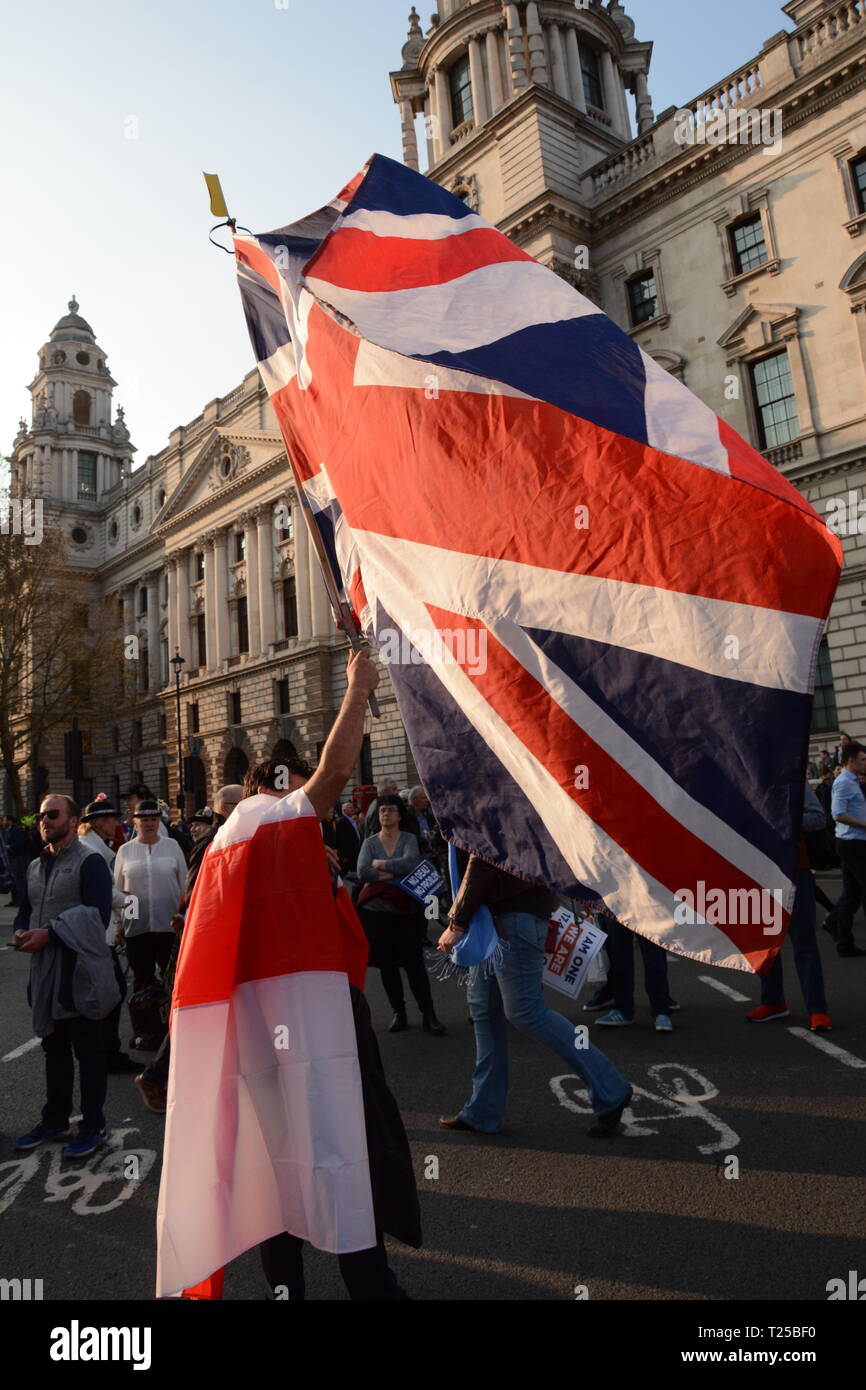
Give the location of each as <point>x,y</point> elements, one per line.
<point>110,111</point>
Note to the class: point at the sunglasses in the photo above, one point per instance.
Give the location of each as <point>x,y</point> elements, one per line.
<point>47,815</point>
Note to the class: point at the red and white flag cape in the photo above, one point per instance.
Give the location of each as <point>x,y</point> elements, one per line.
<point>265,1121</point>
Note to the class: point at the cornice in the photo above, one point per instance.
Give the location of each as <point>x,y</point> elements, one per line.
<point>668,184</point>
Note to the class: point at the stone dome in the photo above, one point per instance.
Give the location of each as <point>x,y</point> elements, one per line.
<point>72,327</point>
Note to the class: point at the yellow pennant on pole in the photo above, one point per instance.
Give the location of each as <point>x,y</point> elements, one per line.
<point>217,201</point>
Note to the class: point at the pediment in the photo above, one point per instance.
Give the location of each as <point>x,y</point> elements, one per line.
<point>223,459</point>
<point>759,326</point>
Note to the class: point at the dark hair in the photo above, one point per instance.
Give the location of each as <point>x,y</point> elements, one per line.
<point>850,751</point>
<point>389,801</point>
<point>272,771</point>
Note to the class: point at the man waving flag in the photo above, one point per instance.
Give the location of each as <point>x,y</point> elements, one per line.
<point>600,606</point>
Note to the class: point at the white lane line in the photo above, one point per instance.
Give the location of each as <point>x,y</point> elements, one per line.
<point>847,1058</point>
<point>19,1051</point>
<point>724,989</point>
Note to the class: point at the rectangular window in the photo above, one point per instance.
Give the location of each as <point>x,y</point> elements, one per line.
<point>748,245</point>
<point>774,400</point>
<point>163,727</point>
<point>201,639</point>
<point>286,525</point>
<point>825,718</point>
<point>642,297</point>
<point>290,608</point>
<point>234,707</point>
<point>589,67</point>
<point>366,762</point>
<point>240,546</point>
<point>163,783</point>
<point>858,175</point>
<point>199,565</point>
<point>86,474</point>
<point>282,692</point>
<point>192,719</point>
<point>460,83</point>
<point>137,735</point>
<point>243,627</point>
<point>142,602</point>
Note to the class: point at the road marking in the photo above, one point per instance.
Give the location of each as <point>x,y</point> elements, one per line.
<point>725,989</point>
<point>679,1094</point>
<point>831,1049</point>
<point>19,1051</point>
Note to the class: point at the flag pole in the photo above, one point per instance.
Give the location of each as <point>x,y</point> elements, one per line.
<point>343,615</point>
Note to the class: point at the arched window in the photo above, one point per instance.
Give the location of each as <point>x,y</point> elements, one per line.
<point>591,70</point>
<point>81,407</point>
<point>460,84</point>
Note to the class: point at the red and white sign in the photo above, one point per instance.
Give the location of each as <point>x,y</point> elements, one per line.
<point>577,945</point>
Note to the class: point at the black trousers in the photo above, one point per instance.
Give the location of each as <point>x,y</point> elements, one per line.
<point>157,1070</point>
<point>365,1272</point>
<point>111,1024</point>
<point>145,953</point>
<point>852,855</point>
<point>397,942</point>
<point>85,1038</point>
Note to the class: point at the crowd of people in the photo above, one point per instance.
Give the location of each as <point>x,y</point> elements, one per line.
<point>108,890</point>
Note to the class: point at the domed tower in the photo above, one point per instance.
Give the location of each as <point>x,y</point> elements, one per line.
<point>519,100</point>
<point>72,452</point>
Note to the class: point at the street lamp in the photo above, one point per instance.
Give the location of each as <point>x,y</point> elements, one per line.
<point>178,662</point>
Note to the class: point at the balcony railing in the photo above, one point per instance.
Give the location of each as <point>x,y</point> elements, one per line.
<point>811,42</point>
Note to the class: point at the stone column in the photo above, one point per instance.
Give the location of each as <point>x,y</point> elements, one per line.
<point>575,72</point>
<point>442,115</point>
<point>182,639</point>
<point>429,126</point>
<point>645,113</point>
<point>557,62</point>
<point>608,87</point>
<point>265,554</point>
<point>221,598</point>
<point>171,562</point>
<point>623,105</point>
<point>208,541</point>
<point>153,664</point>
<point>537,55</point>
<point>251,550</point>
<point>302,575</point>
<point>480,109</point>
<point>516,57</point>
<point>410,142</point>
<point>494,70</point>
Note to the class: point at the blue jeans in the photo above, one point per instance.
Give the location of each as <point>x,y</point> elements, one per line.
<point>801,934</point>
<point>514,993</point>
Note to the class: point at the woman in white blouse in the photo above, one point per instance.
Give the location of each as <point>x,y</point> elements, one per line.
<point>152,871</point>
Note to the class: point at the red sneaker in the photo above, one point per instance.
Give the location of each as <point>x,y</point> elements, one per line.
<point>820,1023</point>
<point>765,1012</point>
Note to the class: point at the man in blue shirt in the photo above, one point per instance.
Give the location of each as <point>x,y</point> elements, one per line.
<point>848,805</point>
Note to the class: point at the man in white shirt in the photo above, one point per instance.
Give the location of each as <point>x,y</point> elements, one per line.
<point>151,870</point>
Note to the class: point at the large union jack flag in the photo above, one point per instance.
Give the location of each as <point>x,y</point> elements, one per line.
<point>601,607</point>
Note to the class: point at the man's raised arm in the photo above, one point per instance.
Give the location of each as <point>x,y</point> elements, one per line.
<point>343,747</point>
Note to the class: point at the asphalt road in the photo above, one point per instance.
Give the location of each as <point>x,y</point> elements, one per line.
<point>540,1211</point>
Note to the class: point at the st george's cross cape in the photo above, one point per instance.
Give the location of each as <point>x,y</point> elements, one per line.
<point>601,608</point>
<point>265,1120</point>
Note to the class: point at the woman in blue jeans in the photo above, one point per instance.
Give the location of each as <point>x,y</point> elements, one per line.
<point>513,992</point>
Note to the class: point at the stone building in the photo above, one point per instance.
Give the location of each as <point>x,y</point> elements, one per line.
<point>722,235</point>
<point>208,558</point>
